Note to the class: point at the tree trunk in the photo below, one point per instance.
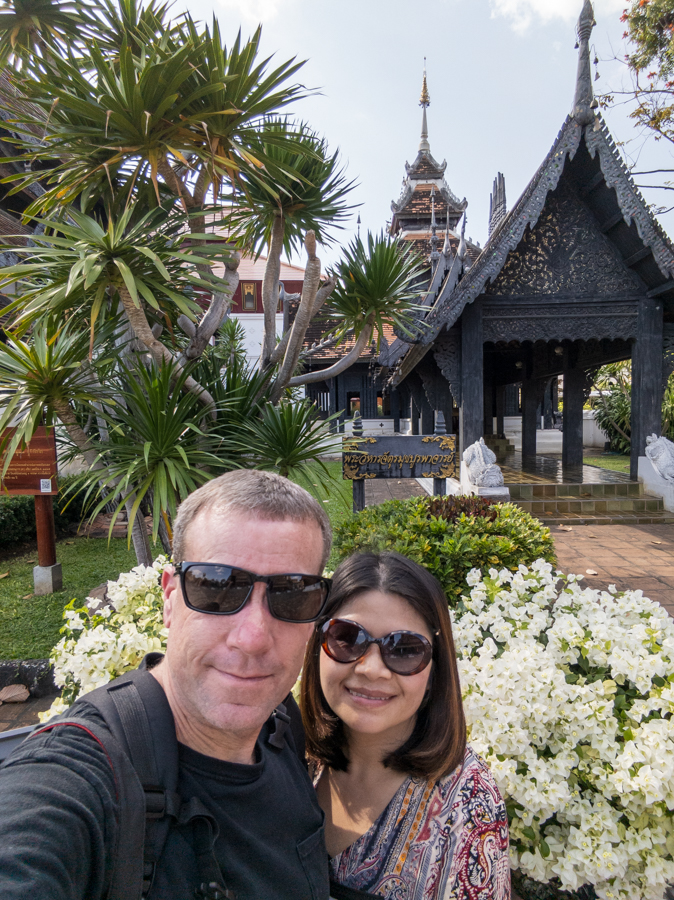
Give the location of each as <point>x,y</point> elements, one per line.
<point>139,535</point>
<point>272,274</point>
<point>312,276</point>
<point>141,327</point>
<point>344,363</point>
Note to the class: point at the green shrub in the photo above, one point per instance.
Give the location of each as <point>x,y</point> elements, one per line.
<point>17,515</point>
<point>448,547</point>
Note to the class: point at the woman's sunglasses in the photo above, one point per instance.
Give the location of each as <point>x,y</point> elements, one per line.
<point>222,590</point>
<point>403,652</point>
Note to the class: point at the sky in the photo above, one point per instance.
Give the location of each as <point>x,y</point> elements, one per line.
<point>501,76</point>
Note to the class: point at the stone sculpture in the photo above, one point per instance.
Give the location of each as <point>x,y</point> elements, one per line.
<point>481,464</point>
<point>660,451</point>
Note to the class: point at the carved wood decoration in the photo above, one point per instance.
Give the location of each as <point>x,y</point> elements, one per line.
<point>509,234</point>
<point>447,353</point>
<point>507,237</point>
<point>565,255</point>
<point>632,205</point>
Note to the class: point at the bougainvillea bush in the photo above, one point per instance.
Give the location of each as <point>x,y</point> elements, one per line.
<point>449,536</point>
<point>568,692</point>
<point>569,695</point>
<point>101,642</point>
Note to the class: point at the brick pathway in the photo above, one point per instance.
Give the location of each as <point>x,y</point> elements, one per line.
<point>17,715</point>
<point>633,557</point>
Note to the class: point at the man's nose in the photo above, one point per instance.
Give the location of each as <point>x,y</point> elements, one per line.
<point>372,665</point>
<point>251,630</point>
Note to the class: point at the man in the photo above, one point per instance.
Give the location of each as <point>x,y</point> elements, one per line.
<point>235,648</point>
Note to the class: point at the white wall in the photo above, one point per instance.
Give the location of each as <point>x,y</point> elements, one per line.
<point>254,327</point>
<point>593,436</point>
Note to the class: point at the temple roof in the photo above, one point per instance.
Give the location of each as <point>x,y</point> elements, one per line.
<point>424,174</point>
<point>585,152</point>
<point>585,125</point>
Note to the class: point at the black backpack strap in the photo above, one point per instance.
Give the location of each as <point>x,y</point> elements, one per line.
<point>125,878</point>
<point>138,714</point>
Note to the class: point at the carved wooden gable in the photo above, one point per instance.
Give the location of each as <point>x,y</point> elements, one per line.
<point>565,255</point>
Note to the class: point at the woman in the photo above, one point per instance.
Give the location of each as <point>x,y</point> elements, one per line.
<point>411,812</point>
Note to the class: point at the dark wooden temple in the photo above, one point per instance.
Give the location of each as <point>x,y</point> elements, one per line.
<point>578,274</point>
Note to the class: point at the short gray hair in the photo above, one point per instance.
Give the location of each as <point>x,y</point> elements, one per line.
<point>262,495</point>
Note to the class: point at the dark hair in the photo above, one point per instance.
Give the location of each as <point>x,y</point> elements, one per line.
<point>438,741</point>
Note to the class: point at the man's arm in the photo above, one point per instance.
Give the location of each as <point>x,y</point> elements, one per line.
<point>58,817</point>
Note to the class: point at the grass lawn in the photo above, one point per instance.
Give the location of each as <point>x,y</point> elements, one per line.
<point>29,625</point>
<point>614,461</point>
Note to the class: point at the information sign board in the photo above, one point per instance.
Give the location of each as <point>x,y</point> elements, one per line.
<point>33,469</point>
<point>400,456</point>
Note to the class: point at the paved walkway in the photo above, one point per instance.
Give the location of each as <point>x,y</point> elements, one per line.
<point>633,557</point>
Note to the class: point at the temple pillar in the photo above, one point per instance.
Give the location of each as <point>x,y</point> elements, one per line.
<point>529,416</point>
<point>574,397</point>
<point>414,416</point>
<point>427,416</point>
<point>488,403</point>
<point>500,409</point>
<point>548,420</point>
<point>472,374</point>
<point>394,400</point>
<point>646,413</point>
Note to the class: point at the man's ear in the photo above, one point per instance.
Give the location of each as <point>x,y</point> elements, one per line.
<point>169,584</point>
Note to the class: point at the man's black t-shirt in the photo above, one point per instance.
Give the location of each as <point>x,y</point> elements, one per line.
<point>58,823</point>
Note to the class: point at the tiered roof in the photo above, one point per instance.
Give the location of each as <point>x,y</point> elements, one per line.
<point>424,187</point>
<point>585,144</point>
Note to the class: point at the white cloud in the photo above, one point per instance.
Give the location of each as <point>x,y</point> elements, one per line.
<point>254,12</point>
<point>523,12</point>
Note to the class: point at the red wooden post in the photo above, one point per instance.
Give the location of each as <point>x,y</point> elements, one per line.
<point>46,531</point>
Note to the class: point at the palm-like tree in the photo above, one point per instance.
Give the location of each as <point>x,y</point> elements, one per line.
<point>374,287</point>
<point>307,193</point>
<point>81,265</point>
<point>33,29</point>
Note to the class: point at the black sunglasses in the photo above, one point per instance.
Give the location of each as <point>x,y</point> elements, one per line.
<point>222,590</point>
<point>403,652</point>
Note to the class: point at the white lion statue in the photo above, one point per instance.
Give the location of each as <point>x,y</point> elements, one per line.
<point>481,464</point>
<point>660,451</point>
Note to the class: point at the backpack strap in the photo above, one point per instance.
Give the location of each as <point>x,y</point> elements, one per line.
<point>125,878</point>
<point>142,748</point>
<point>137,712</point>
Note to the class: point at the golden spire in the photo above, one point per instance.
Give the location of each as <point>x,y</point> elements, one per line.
<point>425,98</point>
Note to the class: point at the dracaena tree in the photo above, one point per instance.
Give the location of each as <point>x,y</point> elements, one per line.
<point>155,155</point>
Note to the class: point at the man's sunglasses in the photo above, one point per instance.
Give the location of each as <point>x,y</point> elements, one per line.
<point>403,652</point>
<point>221,590</point>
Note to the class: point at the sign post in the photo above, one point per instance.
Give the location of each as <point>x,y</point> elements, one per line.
<point>33,471</point>
<point>401,456</point>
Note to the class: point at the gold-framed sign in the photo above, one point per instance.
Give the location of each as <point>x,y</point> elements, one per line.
<point>400,456</point>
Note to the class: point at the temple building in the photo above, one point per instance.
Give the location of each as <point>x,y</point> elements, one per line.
<point>577,274</point>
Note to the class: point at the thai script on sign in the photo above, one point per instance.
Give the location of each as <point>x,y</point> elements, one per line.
<point>401,456</point>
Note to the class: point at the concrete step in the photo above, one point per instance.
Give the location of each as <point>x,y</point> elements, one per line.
<point>658,518</point>
<point>608,491</point>
<point>546,506</point>
<point>500,446</point>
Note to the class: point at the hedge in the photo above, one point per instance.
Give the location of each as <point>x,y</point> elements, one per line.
<point>17,515</point>
<point>449,537</point>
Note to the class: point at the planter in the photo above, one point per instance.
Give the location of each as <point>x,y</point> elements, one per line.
<point>36,674</point>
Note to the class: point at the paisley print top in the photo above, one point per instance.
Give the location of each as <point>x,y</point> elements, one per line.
<point>434,841</point>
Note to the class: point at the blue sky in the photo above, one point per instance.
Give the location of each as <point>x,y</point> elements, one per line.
<point>501,75</point>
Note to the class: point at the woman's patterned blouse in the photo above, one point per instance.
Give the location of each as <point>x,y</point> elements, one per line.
<point>434,841</point>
